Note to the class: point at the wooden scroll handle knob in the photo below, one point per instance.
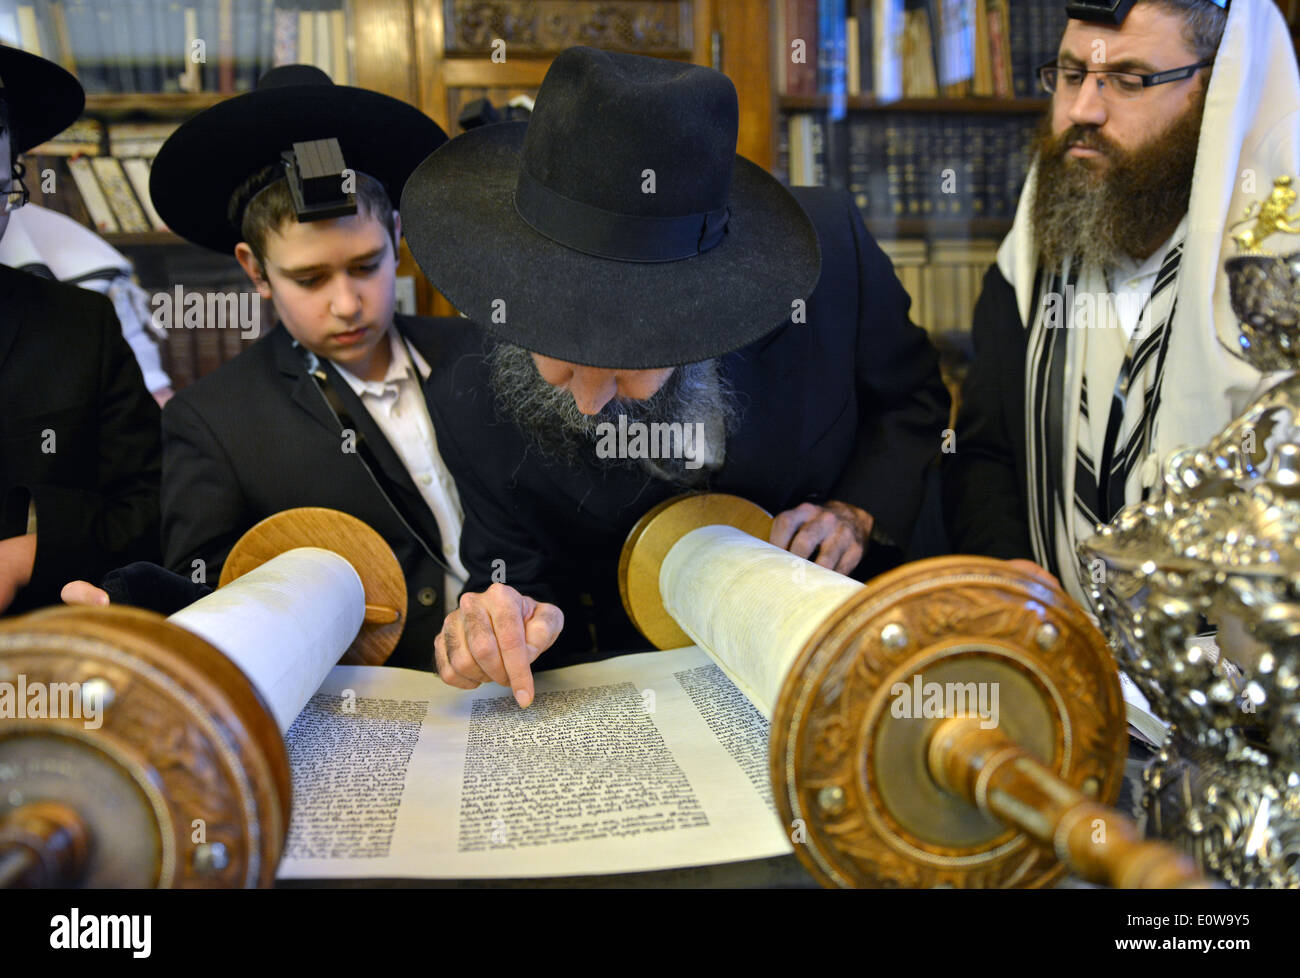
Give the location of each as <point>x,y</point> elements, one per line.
<point>1097,843</point>
<point>42,844</point>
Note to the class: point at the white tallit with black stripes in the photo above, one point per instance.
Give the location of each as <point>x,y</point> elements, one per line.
<point>1186,385</point>
<point>1080,366</point>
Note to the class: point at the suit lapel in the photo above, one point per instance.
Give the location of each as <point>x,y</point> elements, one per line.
<point>302,389</point>
<point>393,473</point>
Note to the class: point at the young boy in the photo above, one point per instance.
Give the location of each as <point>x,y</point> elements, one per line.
<point>327,409</point>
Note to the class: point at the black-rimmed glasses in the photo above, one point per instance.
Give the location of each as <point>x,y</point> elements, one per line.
<point>15,198</point>
<point>1126,84</point>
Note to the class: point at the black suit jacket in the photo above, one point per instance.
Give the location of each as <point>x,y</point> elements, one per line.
<point>65,369</point>
<point>985,479</point>
<point>256,437</point>
<point>847,406</point>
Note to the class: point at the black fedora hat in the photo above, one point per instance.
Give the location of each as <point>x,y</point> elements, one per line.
<point>617,227</point>
<point>42,97</point>
<point>209,156</point>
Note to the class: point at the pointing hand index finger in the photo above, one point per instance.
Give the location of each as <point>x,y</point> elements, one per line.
<point>508,624</point>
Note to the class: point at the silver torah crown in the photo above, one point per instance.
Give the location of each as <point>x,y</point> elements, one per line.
<point>1219,541</point>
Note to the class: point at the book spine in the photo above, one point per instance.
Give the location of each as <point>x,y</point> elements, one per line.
<point>137,171</point>
<point>864,15</point>
<point>286,37</point>
<point>1018,43</point>
<point>306,38</point>
<point>997,158</point>
<point>832,23</point>
<point>121,198</point>
<point>878,182</point>
<point>852,58</point>
<point>66,197</point>
<point>1000,49</point>
<point>982,83</point>
<point>93,195</point>
<point>782,170</point>
<point>860,163</point>
<point>817,125</point>
<point>894,167</point>
<point>167,51</point>
<point>1054,22</point>
<point>192,76</point>
<point>84,26</point>
<point>977,150</point>
<point>225,46</point>
<point>887,51</point>
<point>339,47</point>
<point>29,33</point>
<point>266,26</point>
<point>321,37</point>
<point>143,47</point>
<point>950,139</point>
<point>206,12</point>
<point>801,25</point>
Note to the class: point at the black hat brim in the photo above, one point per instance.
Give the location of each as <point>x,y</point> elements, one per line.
<point>210,155</point>
<point>459,219</point>
<point>43,98</point>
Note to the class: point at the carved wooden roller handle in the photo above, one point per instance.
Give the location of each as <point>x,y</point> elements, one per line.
<point>1097,843</point>
<point>42,844</point>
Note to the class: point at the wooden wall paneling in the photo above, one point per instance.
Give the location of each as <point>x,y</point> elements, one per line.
<point>746,29</point>
<point>382,50</point>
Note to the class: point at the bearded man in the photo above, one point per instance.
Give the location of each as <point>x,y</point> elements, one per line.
<point>659,315</point>
<point>1097,331</point>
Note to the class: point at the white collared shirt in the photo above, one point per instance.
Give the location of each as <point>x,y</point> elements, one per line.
<point>1138,278</point>
<point>398,407</point>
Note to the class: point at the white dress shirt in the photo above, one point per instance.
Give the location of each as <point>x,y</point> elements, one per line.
<point>1133,278</point>
<point>398,406</point>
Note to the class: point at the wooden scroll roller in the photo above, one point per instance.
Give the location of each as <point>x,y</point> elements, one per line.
<point>889,749</point>
<point>164,763</point>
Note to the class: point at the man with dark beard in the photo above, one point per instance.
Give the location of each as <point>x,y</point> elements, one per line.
<point>661,316</point>
<point>1096,353</point>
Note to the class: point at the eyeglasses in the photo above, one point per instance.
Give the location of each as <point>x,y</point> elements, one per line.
<point>14,199</point>
<point>1125,84</point>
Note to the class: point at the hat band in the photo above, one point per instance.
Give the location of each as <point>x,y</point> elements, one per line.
<point>608,234</point>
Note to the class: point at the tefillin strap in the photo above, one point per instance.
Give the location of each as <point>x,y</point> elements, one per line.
<point>316,369</point>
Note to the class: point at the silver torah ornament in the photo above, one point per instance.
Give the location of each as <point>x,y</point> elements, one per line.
<point>1217,544</point>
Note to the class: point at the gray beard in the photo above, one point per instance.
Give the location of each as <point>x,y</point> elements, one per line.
<point>1074,221</point>
<point>549,417</point>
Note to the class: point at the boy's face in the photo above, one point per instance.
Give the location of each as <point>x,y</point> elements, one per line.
<point>332,283</point>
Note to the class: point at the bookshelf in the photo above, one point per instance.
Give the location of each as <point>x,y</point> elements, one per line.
<point>441,54</point>
<point>435,54</point>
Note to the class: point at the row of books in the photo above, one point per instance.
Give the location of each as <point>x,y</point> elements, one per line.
<point>107,193</point>
<point>189,354</point>
<point>98,174</point>
<point>179,45</point>
<point>911,164</point>
<point>895,49</point>
<point>942,278</point>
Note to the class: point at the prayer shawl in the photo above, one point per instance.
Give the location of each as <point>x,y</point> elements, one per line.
<point>1183,384</point>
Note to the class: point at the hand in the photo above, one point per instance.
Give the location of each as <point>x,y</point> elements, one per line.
<point>17,558</point>
<point>494,637</point>
<point>83,592</point>
<point>1029,567</point>
<point>838,532</point>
